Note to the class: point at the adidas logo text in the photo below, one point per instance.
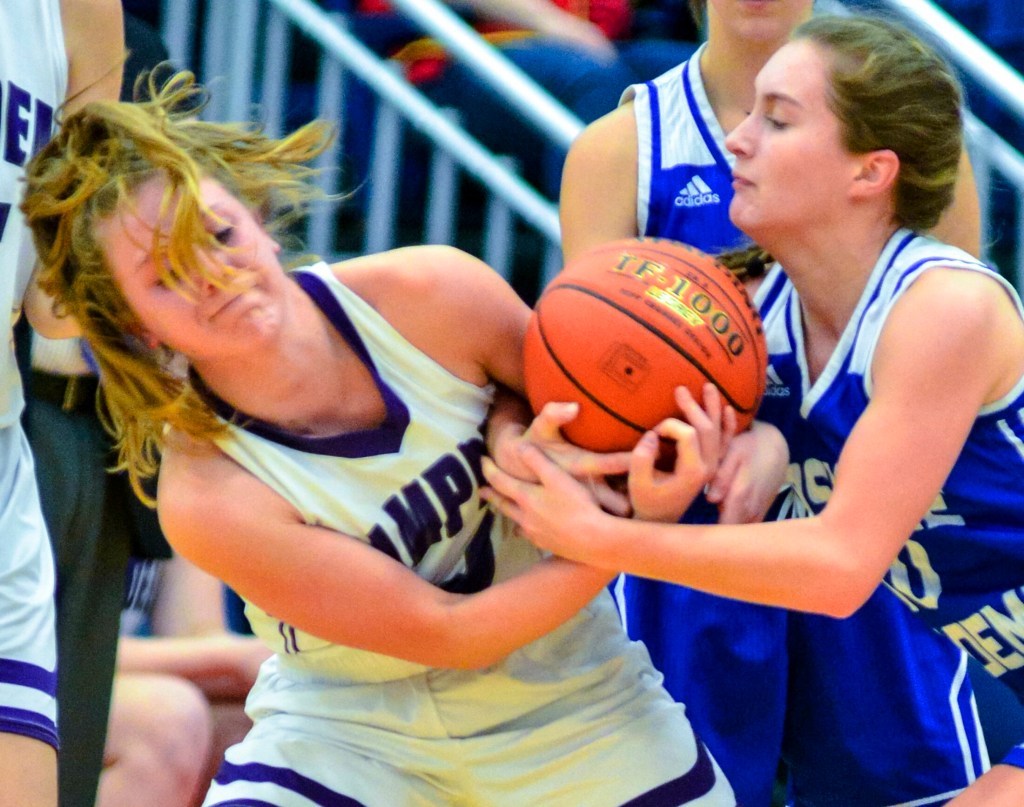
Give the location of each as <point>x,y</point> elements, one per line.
<point>775,388</point>
<point>697,193</point>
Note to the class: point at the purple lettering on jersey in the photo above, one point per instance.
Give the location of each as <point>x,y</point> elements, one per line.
<point>43,126</point>
<point>381,541</point>
<point>418,521</point>
<point>472,451</point>
<point>450,481</point>
<point>479,559</point>
<point>5,211</point>
<point>18,102</point>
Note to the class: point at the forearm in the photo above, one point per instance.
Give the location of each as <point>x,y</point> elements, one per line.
<point>792,564</point>
<point>220,666</point>
<point>486,627</point>
<point>535,15</point>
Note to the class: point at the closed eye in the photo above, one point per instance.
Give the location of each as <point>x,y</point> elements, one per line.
<point>224,235</point>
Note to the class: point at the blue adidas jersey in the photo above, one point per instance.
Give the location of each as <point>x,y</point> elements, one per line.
<point>963,568</point>
<point>759,682</point>
<point>685,172</point>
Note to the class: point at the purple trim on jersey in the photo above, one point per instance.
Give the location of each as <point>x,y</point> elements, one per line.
<point>29,724</point>
<point>285,778</point>
<point>702,125</point>
<point>244,803</point>
<point>383,439</point>
<point>21,673</point>
<point>692,785</point>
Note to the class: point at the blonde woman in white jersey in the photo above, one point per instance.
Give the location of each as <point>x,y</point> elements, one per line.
<point>50,51</point>
<point>321,455</point>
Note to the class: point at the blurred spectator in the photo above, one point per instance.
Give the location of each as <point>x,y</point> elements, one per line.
<point>584,54</point>
<point>180,689</point>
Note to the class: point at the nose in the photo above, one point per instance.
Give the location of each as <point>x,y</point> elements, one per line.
<point>738,141</point>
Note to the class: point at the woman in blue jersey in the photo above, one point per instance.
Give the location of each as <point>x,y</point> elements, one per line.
<point>760,682</point>
<point>321,433</point>
<point>899,366</point>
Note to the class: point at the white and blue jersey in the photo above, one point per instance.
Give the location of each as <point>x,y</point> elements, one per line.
<point>858,722</point>
<point>685,173</point>
<point>576,717</point>
<point>962,570</point>
<point>33,83</point>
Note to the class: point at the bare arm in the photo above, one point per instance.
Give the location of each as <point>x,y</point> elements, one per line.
<point>1002,786</point>
<point>546,19</point>
<point>28,768</point>
<point>222,666</point>
<point>94,41</point>
<point>229,523</point>
<point>189,602</point>
<point>191,639</point>
<point>94,38</point>
<point>598,196</point>
<point>892,467</point>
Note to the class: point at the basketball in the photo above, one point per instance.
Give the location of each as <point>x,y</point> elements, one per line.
<point>626,323</point>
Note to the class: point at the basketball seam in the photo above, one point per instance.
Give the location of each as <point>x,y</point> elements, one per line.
<point>572,379</point>
<point>621,309</point>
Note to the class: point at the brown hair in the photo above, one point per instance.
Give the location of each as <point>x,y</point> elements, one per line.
<point>91,168</point>
<point>891,91</point>
<point>698,8</point>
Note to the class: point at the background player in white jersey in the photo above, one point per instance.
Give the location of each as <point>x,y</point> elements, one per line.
<point>764,682</point>
<point>50,51</point>
<point>425,654</point>
<point>904,359</point>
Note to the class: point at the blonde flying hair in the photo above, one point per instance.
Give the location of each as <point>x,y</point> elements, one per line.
<point>89,172</point>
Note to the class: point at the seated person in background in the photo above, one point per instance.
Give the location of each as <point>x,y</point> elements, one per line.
<point>180,689</point>
<point>581,53</point>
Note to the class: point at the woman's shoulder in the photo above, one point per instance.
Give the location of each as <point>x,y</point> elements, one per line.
<point>420,270</point>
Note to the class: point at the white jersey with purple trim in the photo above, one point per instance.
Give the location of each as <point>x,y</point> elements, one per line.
<point>33,83</point>
<point>962,570</point>
<point>28,652</point>
<point>576,717</point>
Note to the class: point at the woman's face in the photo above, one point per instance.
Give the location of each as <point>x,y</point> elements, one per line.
<point>756,21</point>
<point>792,171</point>
<point>208,320</point>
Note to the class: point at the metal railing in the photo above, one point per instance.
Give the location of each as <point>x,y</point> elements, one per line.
<point>250,79</point>
<point>245,54</point>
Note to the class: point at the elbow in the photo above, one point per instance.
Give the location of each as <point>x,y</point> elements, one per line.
<point>845,589</point>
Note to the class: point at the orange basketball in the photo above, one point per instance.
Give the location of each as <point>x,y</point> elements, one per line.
<point>626,323</point>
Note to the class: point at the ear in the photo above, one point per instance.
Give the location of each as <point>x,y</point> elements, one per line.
<point>877,173</point>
